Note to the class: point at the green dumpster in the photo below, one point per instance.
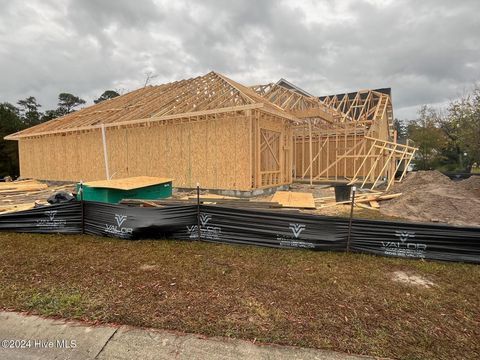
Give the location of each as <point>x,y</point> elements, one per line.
<point>113,191</point>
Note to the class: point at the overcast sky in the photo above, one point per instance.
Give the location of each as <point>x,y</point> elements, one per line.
<point>427,51</point>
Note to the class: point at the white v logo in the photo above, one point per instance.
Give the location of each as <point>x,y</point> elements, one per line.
<point>297,229</point>
<point>120,219</point>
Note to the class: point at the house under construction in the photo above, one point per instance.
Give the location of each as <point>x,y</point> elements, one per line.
<point>342,137</point>
<point>221,134</point>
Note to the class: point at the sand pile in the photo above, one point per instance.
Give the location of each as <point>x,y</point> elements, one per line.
<point>471,184</point>
<point>429,196</point>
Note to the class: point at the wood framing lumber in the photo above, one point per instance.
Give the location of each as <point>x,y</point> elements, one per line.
<point>372,199</point>
<point>364,206</point>
<point>210,197</point>
<point>180,99</point>
<point>138,121</point>
<point>273,132</point>
<point>358,196</point>
<point>237,203</point>
<point>389,196</point>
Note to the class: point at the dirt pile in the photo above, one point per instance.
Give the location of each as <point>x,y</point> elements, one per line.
<point>471,184</point>
<point>421,178</point>
<point>429,196</point>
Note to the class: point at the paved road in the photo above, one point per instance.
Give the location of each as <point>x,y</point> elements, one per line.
<point>57,339</point>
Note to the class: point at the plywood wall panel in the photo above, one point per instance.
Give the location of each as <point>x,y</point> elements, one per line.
<point>212,152</point>
<point>216,151</point>
<point>242,153</point>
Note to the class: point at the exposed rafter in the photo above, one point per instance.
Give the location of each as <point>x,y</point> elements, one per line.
<point>297,104</point>
<point>363,105</point>
<point>204,94</point>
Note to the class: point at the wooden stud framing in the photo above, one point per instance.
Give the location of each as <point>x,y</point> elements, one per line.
<point>359,139</point>
<point>222,134</point>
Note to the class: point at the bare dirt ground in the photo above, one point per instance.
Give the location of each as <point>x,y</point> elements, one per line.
<point>472,184</point>
<point>429,196</point>
<point>411,279</point>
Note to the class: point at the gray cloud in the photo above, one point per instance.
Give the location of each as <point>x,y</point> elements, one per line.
<point>428,51</point>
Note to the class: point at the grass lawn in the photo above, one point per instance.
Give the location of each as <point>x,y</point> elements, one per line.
<point>344,302</point>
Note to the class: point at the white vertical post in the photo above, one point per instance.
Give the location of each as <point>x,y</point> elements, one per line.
<point>310,150</point>
<point>105,153</point>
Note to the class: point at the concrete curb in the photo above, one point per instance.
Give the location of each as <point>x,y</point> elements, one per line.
<point>33,337</point>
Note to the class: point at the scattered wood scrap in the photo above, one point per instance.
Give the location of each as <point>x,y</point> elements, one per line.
<point>17,187</point>
<point>292,199</point>
<point>233,203</point>
<point>390,196</point>
<point>366,200</point>
<point>25,194</point>
<point>364,206</point>
<point>374,204</point>
<point>209,196</point>
<point>14,208</point>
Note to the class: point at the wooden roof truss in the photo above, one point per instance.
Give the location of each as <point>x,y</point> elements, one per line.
<point>211,93</point>
<point>299,105</point>
<point>365,105</point>
<point>355,136</point>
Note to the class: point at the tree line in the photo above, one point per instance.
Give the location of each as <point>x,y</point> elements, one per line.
<point>27,113</point>
<point>447,140</point>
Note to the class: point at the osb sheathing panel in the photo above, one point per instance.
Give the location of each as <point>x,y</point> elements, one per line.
<point>213,152</point>
<point>117,142</point>
<point>73,157</point>
<point>24,156</point>
<point>207,152</point>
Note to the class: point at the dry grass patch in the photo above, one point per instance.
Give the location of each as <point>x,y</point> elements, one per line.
<point>345,302</point>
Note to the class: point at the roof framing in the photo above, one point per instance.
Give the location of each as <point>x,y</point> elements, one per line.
<point>208,94</point>
<point>363,106</point>
<point>215,93</point>
<point>295,103</point>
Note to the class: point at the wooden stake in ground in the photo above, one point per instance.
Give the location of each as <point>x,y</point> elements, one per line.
<point>351,218</point>
<point>198,211</point>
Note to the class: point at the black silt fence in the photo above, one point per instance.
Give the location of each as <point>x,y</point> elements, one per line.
<point>62,218</point>
<point>252,227</point>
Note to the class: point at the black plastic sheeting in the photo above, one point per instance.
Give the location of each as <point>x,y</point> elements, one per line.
<point>136,222</point>
<point>412,240</point>
<point>63,218</point>
<point>273,229</point>
<point>60,197</point>
<point>398,239</point>
<point>252,227</point>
